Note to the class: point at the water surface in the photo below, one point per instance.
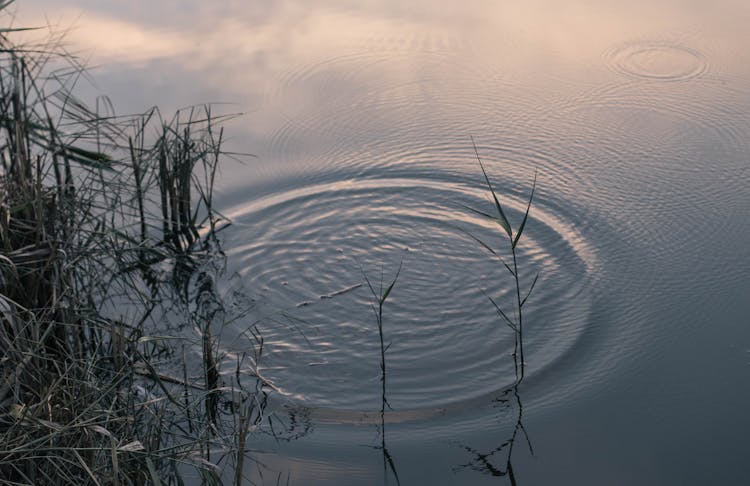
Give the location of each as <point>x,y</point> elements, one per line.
<point>633,115</point>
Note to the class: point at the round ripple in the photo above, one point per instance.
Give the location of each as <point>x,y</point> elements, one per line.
<point>657,60</point>
<point>303,251</point>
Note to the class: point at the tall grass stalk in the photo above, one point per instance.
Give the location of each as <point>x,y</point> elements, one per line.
<point>513,238</point>
<point>511,398</point>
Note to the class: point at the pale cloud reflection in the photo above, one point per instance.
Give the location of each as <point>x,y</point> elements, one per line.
<point>110,40</point>
<point>247,51</point>
<point>231,46</point>
<point>240,35</point>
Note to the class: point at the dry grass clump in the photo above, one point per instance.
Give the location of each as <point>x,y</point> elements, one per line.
<point>107,232</point>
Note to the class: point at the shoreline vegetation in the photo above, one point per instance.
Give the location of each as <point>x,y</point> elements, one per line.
<point>107,236</point>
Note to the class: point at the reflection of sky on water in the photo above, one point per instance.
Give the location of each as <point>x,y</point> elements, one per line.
<point>179,53</point>
<point>636,114</point>
<point>243,46</point>
<point>174,54</point>
<point>282,60</point>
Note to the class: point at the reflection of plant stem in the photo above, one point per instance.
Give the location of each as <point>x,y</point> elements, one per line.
<point>518,427</point>
<point>387,459</point>
<point>483,461</point>
<point>380,297</point>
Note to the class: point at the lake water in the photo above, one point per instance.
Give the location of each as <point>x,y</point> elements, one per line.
<point>635,116</point>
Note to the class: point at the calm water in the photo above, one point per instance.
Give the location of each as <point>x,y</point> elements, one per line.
<point>636,117</point>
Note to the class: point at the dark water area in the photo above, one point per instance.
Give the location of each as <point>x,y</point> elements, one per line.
<point>635,116</point>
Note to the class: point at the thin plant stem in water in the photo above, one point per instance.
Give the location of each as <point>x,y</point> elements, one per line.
<point>380,298</point>
<point>513,239</point>
<point>483,461</point>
